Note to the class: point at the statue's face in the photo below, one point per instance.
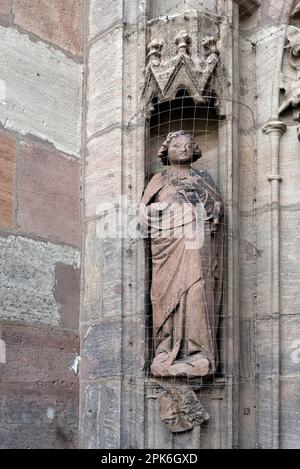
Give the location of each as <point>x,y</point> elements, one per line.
<point>180,150</point>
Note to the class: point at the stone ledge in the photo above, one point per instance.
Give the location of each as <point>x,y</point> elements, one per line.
<point>219,382</point>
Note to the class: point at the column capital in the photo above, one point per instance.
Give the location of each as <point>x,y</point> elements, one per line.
<point>275,126</point>
<point>274,177</point>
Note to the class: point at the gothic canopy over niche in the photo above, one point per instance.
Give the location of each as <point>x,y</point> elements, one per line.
<point>290,73</point>
<point>184,53</point>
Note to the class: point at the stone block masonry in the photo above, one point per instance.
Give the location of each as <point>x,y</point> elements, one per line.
<point>5,7</point>
<point>41,91</point>
<point>7,162</point>
<point>41,68</point>
<point>49,118</point>
<point>58,22</point>
<point>42,196</point>
<point>39,389</point>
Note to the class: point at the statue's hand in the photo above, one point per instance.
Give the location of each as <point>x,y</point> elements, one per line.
<point>187,185</point>
<point>158,207</point>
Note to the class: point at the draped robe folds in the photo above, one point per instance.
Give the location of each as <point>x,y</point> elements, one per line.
<point>186,285</point>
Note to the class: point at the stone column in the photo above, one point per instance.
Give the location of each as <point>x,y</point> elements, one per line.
<point>112,308</point>
<point>275,129</point>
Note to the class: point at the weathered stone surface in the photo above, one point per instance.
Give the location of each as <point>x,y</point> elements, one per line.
<point>103,172</point>
<point>273,11</point>
<point>48,194</point>
<point>27,279</point>
<point>102,287</point>
<point>269,52</point>
<point>247,6</point>
<point>7,164</point>
<point>180,409</point>
<point>290,404</point>
<point>59,21</point>
<point>38,355</point>
<point>102,350</point>
<point>156,435</point>
<point>263,344</point>
<point>42,89</point>
<point>133,361</point>
<point>247,338</point>
<point>255,420</point>
<point>5,7</point>
<point>67,295</point>
<point>290,345</point>
<point>290,258</point>
<point>264,426</point>
<point>60,436</point>
<point>100,411</point>
<point>133,399</point>
<point>39,390</point>
<point>104,15</point>
<point>168,7</point>
<point>263,233</point>
<point>289,171</point>
<point>104,95</point>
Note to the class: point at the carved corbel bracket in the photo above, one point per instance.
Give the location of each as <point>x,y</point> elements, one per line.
<point>180,408</point>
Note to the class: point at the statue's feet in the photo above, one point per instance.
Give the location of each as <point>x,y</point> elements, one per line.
<point>161,365</point>
<point>192,366</point>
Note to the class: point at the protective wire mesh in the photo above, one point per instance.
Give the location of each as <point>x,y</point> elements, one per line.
<point>203,122</point>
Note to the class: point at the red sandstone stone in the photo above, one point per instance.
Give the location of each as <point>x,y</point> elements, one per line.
<point>38,388</point>
<point>38,355</point>
<point>67,294</point>
<point>5,7</point>
<point>7,149</point>
<point>48,194</point>
<point>58,21</point>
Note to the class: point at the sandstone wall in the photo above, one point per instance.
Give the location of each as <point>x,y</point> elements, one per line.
<point>57,92</point>
<point>256,403</point>
<point>41,66</point>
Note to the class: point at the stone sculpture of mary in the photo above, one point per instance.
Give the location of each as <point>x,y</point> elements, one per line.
<point>187,271</point>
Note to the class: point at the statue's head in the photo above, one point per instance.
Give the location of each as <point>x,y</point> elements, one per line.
<point>179,149</point>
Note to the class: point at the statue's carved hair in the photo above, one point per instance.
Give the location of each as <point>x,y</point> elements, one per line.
<point>163,152</point>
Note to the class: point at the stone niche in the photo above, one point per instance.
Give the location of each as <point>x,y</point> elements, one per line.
<point>184,81</point>
<point>186,87</point>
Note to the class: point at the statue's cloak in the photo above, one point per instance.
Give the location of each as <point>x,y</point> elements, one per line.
<point>176,269</point>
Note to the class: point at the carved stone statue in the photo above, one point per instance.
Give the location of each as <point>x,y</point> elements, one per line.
<point>182,212</point>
